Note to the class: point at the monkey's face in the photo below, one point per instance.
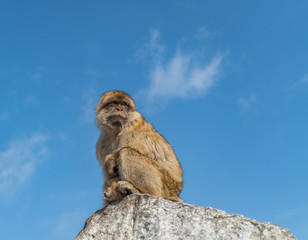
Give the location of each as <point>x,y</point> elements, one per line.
<point>117,113</point>
<point>114,110</point>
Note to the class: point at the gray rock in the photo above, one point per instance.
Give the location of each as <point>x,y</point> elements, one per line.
<point>147,217</point>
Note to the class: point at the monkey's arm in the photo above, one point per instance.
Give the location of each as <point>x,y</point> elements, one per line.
<point>111,165</point>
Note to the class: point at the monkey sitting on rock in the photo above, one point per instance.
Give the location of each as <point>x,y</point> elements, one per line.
<point>133,156</point>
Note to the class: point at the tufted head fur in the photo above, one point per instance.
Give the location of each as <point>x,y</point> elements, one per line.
<point>114,109</point>
<point>115,95</point>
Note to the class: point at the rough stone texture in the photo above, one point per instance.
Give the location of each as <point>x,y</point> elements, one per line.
<point>147,217</point>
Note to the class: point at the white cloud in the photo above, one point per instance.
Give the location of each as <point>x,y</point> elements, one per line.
<point>64,137</point>
<point>36,76</point>
<point>70,223</point>
<point>94,73</point>
<point>41,68</point>
<point>180,77</point>
<point>202,33</point>
<point>153,49</point>
<point>90,99</point>
<point>248,103</point>
<point>67,225</point>
<point>30,100</point>
<point>19,162</point>
<point>301,82</point>
<point>304,79</point>
<point>183,75</point>
<point>4,116</point>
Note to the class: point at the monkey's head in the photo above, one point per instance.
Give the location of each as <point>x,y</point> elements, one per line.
<point>114,110</point>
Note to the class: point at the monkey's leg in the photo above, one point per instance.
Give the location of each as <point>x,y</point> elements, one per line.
<point>141,172</point>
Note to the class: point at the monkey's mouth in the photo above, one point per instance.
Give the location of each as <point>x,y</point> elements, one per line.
<point>117,121</point>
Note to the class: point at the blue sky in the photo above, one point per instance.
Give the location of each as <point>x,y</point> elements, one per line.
<point>225,82</point>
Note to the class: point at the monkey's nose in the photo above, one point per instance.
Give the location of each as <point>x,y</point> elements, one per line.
<point>119,108</point>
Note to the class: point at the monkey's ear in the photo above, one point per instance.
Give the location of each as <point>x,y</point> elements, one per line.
<point>99,106</point>
<point>105,98</point>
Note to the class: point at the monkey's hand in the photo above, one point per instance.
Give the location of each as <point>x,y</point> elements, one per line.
<point>111,165</point>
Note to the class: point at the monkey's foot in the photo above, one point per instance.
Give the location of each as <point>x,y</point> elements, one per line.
<point>126,188</point>
<point>174,199</point>
<point>112,194</point>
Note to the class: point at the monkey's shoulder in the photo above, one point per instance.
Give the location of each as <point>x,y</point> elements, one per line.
<point>141,127</point>
<point>148,142</point>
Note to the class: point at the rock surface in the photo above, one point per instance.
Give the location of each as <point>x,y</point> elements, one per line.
<point>147,217</point>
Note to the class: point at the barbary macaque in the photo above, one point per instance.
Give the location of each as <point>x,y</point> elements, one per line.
<point>133,156</point>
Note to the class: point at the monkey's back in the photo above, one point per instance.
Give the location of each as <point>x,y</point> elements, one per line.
<point>142,136</point>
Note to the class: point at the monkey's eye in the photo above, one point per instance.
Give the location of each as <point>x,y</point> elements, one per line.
<point>113,103</point>
<point>116,103</point>
<point>124,104</point>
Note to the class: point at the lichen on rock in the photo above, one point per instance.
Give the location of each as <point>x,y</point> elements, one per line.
<point>141,216</point>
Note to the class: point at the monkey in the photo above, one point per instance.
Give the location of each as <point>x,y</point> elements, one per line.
<point>133,156</point>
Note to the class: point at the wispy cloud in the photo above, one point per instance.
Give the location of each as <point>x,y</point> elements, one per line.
<point>305,78</point>
<point>180,77</point>
<point>4,116</point>
<point>294,213</point>
<point>36,76</point>
<point>183,75</point>
<point>248,103</point>
<point>94,73</point>
<point>67,225</point>
<point>301,82</point>
<point>153,49</point>
<point>202,33</point>
<point>19,162</point>
<point>64,137</point>
<point>30,100</point>
<point>90,98</point>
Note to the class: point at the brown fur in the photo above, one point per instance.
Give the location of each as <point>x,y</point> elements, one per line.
<point>134,157</point>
